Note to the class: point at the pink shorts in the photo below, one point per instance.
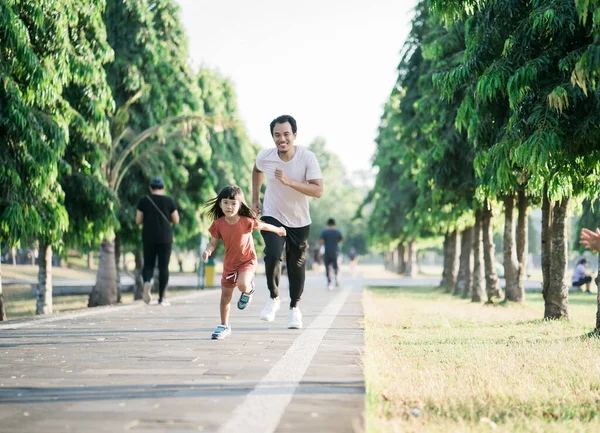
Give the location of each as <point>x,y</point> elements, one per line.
<point>230,277</point>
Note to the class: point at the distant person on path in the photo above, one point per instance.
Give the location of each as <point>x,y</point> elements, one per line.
<point>233,221</point>
<point>156,212</point>
<point>580,275</point>
<point>293,175</point>
<point>353,257</point>
<point>330,239</point>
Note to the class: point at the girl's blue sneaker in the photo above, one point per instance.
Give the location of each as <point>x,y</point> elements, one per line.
<point>221,332</point>
<point>245,299</point>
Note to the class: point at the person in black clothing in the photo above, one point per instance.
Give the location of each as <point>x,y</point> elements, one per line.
<point>156,212</point>
<point>330,238</point>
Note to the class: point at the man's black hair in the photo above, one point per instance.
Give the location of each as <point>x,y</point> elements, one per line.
<point>282,119</point>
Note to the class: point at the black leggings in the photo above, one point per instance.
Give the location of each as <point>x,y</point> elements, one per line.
<point>296,243</point>
<point>151,253</point>
<point>583,281</point>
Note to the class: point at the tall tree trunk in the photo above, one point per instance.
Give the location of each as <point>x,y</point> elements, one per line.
<point>492,287</point>
<point>510,253</point>
<point>117,267</point>
<point>452,251</point>
<point>547,227</point>
<point>445,260</point>
<point>401,251</point>
<point>387,261</point>
<point>464,280</point>
<point>2,310</point>
<point>411,261</point>
<point>44,287</point>
<point>557,297</point>
<point>478,266</point>
<point>522,245</point>
<point>90,260</point>
<point>139,281</point>
<point>14,256</point>
<point>597,281</point>
<point>395,260</point>
<point>105,290</point>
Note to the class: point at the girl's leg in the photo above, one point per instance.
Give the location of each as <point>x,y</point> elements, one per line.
<point>226,294</point>
<point>245,279</point>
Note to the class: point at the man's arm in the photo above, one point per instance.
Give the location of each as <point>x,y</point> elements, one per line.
<point>312,187</point>
<point>139,217</point>
<point>175,217</point>
<point>257,181</point>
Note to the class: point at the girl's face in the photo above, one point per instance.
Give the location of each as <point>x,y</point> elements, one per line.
<point>230,206</point>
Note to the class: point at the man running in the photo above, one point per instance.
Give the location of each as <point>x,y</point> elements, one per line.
<point>293,175</point>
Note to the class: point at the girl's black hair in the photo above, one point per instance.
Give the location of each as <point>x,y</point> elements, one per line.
<point>582,261</point>
<point>232,192</point>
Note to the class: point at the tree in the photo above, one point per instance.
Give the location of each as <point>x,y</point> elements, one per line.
<point>520,53</point>
<point>36,117</point>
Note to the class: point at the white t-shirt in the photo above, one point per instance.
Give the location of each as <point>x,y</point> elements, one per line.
<point>579,273</point>
<point>282,202</point>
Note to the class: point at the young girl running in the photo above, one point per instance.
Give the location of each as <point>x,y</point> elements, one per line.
<point>233,221</point>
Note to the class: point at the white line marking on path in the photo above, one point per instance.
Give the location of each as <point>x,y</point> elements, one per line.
<point>93,311</point>
<point>264,406</point>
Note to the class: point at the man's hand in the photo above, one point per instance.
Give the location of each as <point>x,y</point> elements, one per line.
<point>281,177</point>
<point>256,207</point>
<point>281,232</point>
<point>205,255</point>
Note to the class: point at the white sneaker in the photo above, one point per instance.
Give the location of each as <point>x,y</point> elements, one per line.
<point>146,293</point>
<point>329,286</point>
<point>271,307</point>
<point>294,318</point>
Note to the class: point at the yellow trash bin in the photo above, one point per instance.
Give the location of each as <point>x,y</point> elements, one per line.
<point>209,273</point>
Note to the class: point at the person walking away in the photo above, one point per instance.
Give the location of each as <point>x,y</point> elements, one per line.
<point>353,258</point>
<point>293,175</point>
<point>233,222</point>
<point>330,238</point>
<point>157,212</point>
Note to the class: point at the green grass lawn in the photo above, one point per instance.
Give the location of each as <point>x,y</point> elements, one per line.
<point>437,363</point>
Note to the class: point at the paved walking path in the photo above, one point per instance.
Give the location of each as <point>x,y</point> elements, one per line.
<point>146,368</point>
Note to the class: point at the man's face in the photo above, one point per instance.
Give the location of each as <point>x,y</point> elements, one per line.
<point>283,137</point>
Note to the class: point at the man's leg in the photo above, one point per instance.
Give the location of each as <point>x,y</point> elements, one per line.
<point>296,245</point>
<point>273,251</point>
<point>336,270</point>
<point>328,269</point>
<point>164,256</point>
<point>150,252</point>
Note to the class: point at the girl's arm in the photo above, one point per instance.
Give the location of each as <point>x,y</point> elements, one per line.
<point>210,248</point>
<point>271,228</point>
